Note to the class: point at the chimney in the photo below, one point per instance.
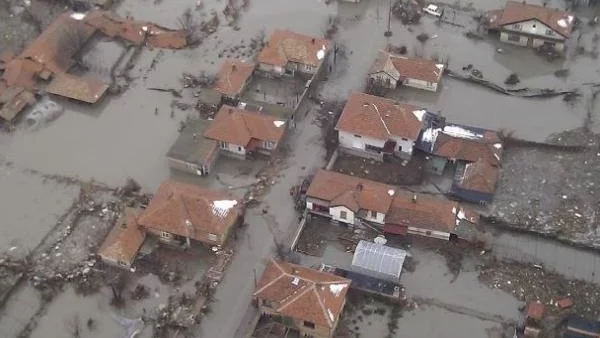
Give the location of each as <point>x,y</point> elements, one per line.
<point>233,68</point>
<point>313,40</point>
<point>359,187</point>
<point>414,198</point>
<point>230,111</point>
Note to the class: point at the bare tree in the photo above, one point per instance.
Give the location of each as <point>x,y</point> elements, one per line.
<point>70,41</point>
<point>74,326</point>
<point>117,286</point>
<point>187,23</point>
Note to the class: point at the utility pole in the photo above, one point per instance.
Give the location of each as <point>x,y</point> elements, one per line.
<point>388,33</point>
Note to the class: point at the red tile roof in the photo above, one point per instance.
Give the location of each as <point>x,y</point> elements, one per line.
<point>239,127</point>
<point>78,88</point>
<point>352,192</point>
<point>284,46</point>
<point>380,118</point>
<point>407,67</point>
<point>515,12</point>
<point>479,176</point>
<point>488,147</point>
<point>232,76</point>
<point>535,310</point>
<point>303,293</point>
<point>191,211</point>
<point>124,240</point>
<point>427,212</point>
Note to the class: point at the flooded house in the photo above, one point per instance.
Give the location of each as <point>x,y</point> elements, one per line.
<point>289,53</point>
<point>240,132</point>
<point>308,302</point>
<point>528,25</point>
<point>392,71</point>
<point>232,79</point>
<point>192,152</point>
<point>476,183</point>
<point>354,201</point>
<point>121,245</point>
<point>373,127</point>
<point>180,213</point>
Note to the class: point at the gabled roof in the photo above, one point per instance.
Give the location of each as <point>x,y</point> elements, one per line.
<point>284,46</point>
<point>124,239</point>
<point>303,293</point>
<point>380,118</point>
<point>191,146</point>
<point>238,126</point>
<point>398,66</point>
<point>190,211</point>
<point>232,76</point>
<point>427,212</point>
<point>514,12</point>
<point>462,143</point>
<point>479,176</point>
<point>77,88</point>
<point>351,192</point>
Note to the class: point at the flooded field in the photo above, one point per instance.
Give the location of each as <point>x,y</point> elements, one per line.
<point>127,136</point>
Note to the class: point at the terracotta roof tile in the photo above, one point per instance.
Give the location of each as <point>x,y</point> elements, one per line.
<point>124,240</point>
<point>21,73</point>
<point>479,176</point>
<point>238,126</point>
<point>175,205</point>
<point>303,293</point>
<point>515,12</point>
<point>232,76</point>
<point>398,66</point>
<point>426,212</point>
<point>350,191</point>
<point>380,118</point>
<point>78,88</point>
<point>488,147</point>
<point>284,46</point>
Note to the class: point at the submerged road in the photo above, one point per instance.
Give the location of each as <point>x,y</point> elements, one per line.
<point>232,304</point>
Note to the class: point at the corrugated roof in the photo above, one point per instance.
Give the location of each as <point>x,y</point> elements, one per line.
<point>377,117</point>
<point>191,211</point>
<point>191,146</point>
<point>284,46</point>
<point>232,76</point>
<point>515,12</point>
<point>237,126</point>
<point>303,293</point>
<point>379,258</point>
<point>398,66</point>
<point>350,191</point>
<point>124,240</point>
<point>78,88</point>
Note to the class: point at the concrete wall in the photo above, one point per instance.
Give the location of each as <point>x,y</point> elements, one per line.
<point>420,84</point>
<point>270,69</point>
<point>522,39</point>
<point>335,213</point>
<point>193,168</point>
<point>429,233</point>
<point>233,148</point>
<point>352,141</point>
<point>435,165</point>
<point>403,145</point>
<point>384,79</point>
<point>379,218</point>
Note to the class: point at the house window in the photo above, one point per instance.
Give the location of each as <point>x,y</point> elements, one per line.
<point>373,214</point>
<point>514,38</point>
<point>357,136</point>
<point>267,303</point>
<point>239,148</point>
<point>212,237</point>
<point>343,215</point>
<point>269,144</point>
<point>310,325</point>
<point>517,26</point>
<point>164,234</point>
<point>404,139</point>
<point>549,32</point>
<point>224,145</point>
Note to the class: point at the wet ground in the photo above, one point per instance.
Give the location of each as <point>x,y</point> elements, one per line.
<point>128,135</point>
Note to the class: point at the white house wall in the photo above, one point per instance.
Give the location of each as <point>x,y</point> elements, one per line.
<point>429,233</point>
<point>420,84</point>
<point>384,78</point>
<point>379,218</point>
<point>235,149</point>
<point>349,140</point>
<point>270,69</point>
<point>533,27</point>
<point>522,39</point>
<point>336,211</point>
<point>406,145</point>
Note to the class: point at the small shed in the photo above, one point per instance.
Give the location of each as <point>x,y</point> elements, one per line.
<point>378,260</point>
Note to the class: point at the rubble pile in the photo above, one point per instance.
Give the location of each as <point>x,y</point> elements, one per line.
<point>530,284</point>
<point>557,193</point>
<point>266,177</point>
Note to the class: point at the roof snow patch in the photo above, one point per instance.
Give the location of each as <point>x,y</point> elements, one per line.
<point>78,16</point>
<point>498,146</point>
<point>321,53</point>
<point>336,289</point>
<point>461,214</point>
<point>391,192</point>
<point>460,132</point>
<point>419,114</point>
<point>430,134</point>
<point>278,123</point>
<point>562,22</point>
<point>440,66</point>
<point>331,316</point>
<point>220,208</point>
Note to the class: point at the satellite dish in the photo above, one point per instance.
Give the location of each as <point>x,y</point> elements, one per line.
<point>380,239</point>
